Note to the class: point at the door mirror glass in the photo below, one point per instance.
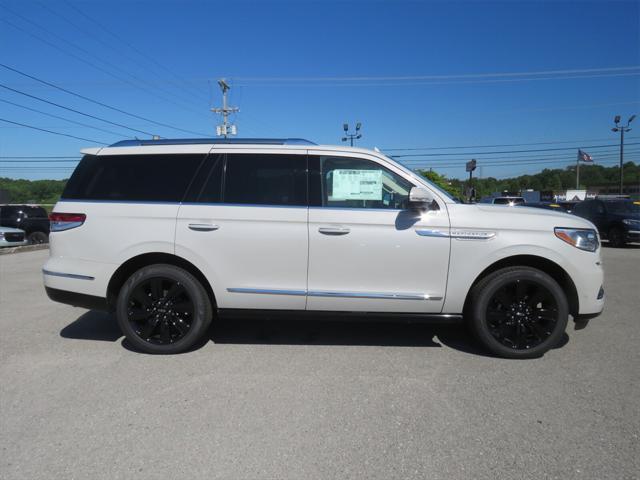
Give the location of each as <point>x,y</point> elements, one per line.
<point>420,198</point>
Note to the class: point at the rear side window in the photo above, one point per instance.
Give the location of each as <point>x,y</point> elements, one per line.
<point>157,178</point>
<point>264,179</point>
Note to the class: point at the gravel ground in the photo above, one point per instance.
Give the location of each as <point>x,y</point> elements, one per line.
<point>313,399</point>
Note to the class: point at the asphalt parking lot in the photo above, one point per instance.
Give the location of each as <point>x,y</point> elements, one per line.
<point>317,400</point>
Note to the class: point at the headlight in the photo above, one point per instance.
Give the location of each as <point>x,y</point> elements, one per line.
<point>1,235</point>
<point>582,238</point>
<point>631,222</point>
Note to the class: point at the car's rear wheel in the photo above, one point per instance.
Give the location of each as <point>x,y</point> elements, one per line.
<point>616,237</point>
<point>163,309</point>
<point>37,238</point>
<point>519,312</point>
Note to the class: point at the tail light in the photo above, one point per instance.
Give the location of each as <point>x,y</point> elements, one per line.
<point>66,221</point>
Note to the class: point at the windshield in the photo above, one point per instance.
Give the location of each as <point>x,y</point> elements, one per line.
<point>623,207</point>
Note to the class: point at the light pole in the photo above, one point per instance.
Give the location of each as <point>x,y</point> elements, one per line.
<point>622,129</point>
<point>351,136</point>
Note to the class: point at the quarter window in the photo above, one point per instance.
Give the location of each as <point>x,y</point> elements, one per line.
<point>357,183</point>
<point>263,179</point>
<point>158,178</point>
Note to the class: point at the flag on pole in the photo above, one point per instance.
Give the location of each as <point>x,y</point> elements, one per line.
<point>584,157</point>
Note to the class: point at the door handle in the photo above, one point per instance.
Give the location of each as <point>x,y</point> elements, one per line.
<point>203,227</point>
<point>333,230</point>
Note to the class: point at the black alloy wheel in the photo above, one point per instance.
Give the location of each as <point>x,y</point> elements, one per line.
<point>522,314</point>
<point>518,312</point>
<point>160,310</point>
<point>163,309</point>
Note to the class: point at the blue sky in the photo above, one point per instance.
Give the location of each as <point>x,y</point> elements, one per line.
<point>160,60</point>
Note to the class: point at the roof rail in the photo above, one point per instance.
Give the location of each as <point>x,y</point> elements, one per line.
<point>214,141</point>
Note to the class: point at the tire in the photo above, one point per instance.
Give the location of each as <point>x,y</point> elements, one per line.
<point>37,238</point>
<point>518,312</point>
<point>616,237</point>
<point>163,309</point>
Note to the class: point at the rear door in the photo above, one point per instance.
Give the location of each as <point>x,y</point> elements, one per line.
<point>367,250</point>
<point>244,224</point>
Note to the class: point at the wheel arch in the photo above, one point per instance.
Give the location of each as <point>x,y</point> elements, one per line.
<point>551,268</point>
<point>139,261</point>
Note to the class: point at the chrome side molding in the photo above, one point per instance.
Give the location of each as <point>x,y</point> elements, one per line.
<point>472,234</point>
<point>75,276</point>
<point>267,291</point>
<point>379,295</point>
<point>457,234</point>
<point>338,294</point>
<point>424,232</point>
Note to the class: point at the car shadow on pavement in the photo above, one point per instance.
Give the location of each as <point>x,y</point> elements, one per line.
<point>331,332</point>
<point>93,325</point>
<point>100,326</point>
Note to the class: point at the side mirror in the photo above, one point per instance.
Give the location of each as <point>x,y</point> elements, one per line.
<point>420,198</point>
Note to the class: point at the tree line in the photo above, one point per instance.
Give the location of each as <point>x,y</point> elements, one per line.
<point>556,180</point>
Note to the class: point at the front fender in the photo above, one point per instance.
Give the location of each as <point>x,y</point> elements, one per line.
<point>469,258</point>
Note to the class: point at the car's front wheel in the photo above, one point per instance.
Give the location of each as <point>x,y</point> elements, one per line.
<point>519,312</point>
<point>163,309</point>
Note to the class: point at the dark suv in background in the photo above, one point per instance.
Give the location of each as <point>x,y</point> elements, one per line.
<point>618,220</point>
<point>30,218</point>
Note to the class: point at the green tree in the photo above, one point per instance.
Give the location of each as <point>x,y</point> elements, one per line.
<point>441,181</point>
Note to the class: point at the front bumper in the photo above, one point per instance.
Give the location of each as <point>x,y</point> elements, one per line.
<point>633,236</point>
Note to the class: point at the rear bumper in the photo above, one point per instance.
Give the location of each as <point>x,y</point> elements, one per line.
<point>75,299</point>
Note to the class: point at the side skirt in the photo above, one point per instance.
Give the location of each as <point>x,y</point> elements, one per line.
<point>241,313</point>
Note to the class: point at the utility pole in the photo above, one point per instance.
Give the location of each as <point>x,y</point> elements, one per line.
<point>226,128</point>
<point>622,129</point>
<point>351,136</point>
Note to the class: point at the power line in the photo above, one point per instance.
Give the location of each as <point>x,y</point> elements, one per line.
<point>142,55</point>
<point>75,111</point>
<point>504,164</point>
<point>463,82</point>
<point>44,82</point>
<point>505,151</point>
<point>499,145</point>
<point>522,158</point>
<point>441,77</point>
<point>39,161</point>
<point>97,39</point>
<point>88,62</point>
<point>43,156</point>
<point>61,118</point>
<point>50,131</point>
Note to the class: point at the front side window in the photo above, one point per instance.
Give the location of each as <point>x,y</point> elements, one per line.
<point>357,183</point>
<point>266,179</point>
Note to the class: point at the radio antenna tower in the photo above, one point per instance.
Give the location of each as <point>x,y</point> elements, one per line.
<point>226,128</point>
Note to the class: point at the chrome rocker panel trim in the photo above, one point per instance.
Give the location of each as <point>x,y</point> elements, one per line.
<point>323,293</point>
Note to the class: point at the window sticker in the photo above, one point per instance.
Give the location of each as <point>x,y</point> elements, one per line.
<point>357,185</point>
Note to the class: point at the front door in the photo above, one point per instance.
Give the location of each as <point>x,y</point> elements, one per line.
<point>367,250</point>
<point>244,224</point>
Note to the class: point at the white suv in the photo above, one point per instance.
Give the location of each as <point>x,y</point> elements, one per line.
<point>170,234</point>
